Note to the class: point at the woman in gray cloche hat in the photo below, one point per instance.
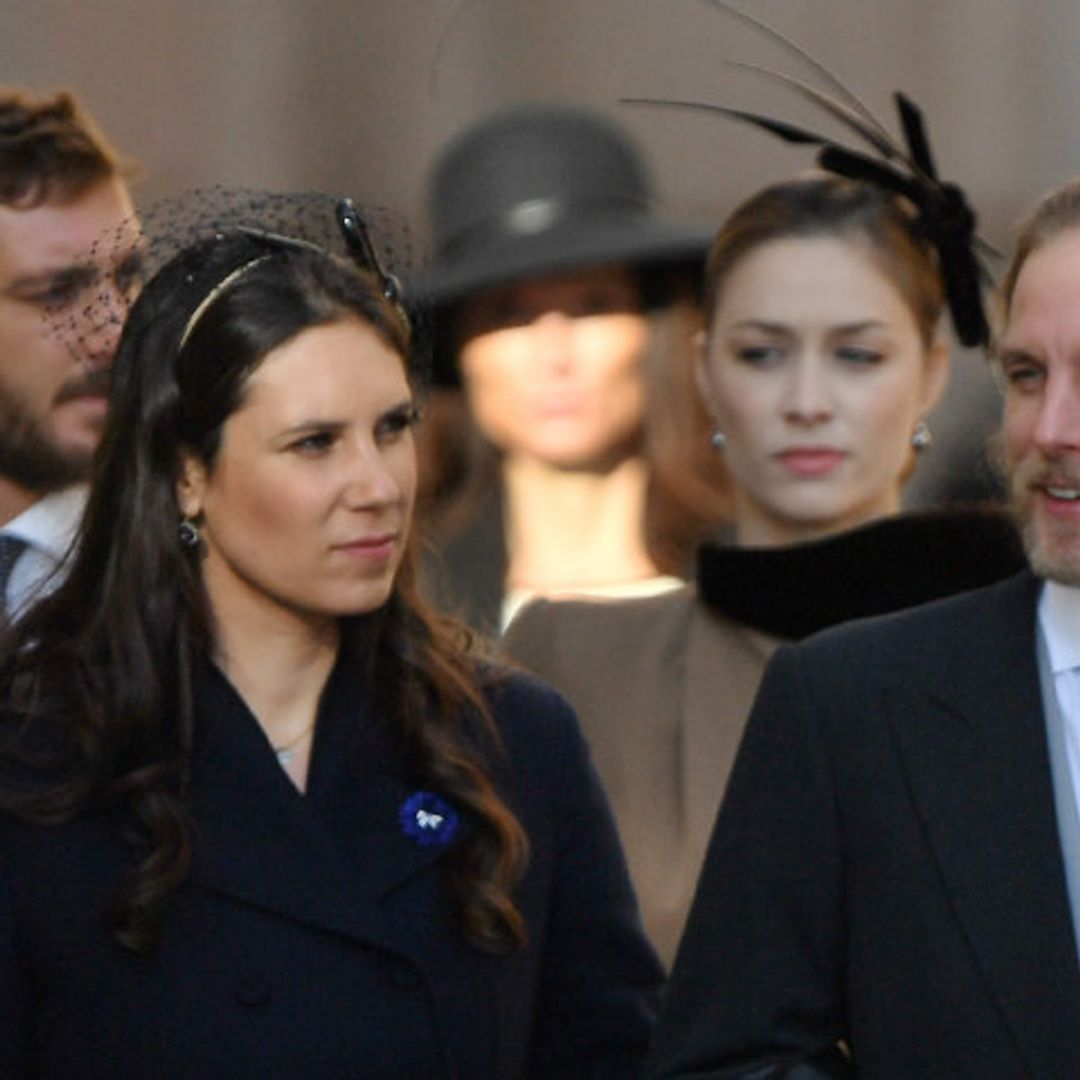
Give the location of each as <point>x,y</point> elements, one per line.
<point>564,310</point>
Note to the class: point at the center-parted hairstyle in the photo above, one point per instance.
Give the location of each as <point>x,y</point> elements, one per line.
<point>821,205</point>
<point>96,681</point>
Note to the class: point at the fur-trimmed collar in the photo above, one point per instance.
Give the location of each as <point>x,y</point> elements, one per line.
<point>896,562</point>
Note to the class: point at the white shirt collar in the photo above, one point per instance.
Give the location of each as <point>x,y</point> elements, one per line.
<point>1059,618</point>
<point>50,524</point>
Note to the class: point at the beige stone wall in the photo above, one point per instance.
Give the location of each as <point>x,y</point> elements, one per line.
<point>355,95</point>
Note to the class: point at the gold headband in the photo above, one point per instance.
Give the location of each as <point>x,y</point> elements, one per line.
<point>213,294</point>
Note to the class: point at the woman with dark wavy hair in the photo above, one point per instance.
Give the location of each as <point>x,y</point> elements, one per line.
<point>263,813</point>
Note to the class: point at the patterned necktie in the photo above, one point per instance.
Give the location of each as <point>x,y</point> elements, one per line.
<point>11,547</point>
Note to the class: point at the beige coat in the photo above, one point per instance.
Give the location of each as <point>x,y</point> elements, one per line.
<point>663,687</point>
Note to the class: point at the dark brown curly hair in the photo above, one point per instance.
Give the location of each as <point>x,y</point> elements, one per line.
<point>96,681</point>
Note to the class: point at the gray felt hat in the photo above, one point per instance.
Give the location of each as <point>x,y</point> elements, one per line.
<point>537,189</point>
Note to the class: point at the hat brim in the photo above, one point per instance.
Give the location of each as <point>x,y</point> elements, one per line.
<point>637,242</point>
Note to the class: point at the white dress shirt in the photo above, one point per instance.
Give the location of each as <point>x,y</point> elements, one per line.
<point>48,529</point>
<point>1059,621</point>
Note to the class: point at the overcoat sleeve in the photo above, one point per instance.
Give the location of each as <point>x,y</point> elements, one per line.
<point>757,987</point>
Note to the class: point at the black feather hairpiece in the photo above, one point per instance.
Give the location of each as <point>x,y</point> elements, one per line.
<point>906,168</point>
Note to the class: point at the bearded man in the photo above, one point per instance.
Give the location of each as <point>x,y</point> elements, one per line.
<point>62,188</point>
<point>892,889</point>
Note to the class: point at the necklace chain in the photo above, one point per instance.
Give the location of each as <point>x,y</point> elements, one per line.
<point>285,749</point>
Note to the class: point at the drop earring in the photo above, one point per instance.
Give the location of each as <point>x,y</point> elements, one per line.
<point>718,440</point>
<point>922,436</point>
<point>189,535</point>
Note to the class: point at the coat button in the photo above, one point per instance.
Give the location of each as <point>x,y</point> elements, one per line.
<point>253,991</point>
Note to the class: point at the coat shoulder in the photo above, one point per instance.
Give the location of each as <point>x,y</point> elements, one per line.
<point>584,617</point>
<point>579,644</point>
<point>932,633</point>
<point>533,719</point>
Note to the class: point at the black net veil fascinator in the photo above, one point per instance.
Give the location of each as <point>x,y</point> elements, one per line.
<point>375,239</point>
<point>903,168</point>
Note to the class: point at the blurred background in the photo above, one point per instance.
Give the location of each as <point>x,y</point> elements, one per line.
<point>357,95</point>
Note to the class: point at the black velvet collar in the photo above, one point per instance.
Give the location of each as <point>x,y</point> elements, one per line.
<point>790,592</point>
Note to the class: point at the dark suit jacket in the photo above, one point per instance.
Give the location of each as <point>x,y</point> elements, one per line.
<point>315,938</point>
<point>886,868</point>
<point>663,686</point>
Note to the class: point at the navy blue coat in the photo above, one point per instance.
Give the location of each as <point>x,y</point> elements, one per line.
<point>315,938</point>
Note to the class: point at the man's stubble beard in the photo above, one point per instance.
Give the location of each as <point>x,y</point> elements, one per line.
<point>1062,566</point>
<point>28,455</point>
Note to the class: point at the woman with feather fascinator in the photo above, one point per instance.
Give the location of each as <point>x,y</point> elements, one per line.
<point>824,351</point>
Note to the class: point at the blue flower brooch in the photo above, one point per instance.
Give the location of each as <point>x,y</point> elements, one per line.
<point>428,819</point>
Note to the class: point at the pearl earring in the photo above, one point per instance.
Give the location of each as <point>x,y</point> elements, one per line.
<point>718,439</point>
<point>922,436</point>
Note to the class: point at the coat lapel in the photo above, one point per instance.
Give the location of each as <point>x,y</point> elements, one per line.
<point>327,858</point>
<point>723,666</point>
<point>978,765</point>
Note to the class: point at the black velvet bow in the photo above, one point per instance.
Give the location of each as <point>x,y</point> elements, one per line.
<point>943,213</point>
